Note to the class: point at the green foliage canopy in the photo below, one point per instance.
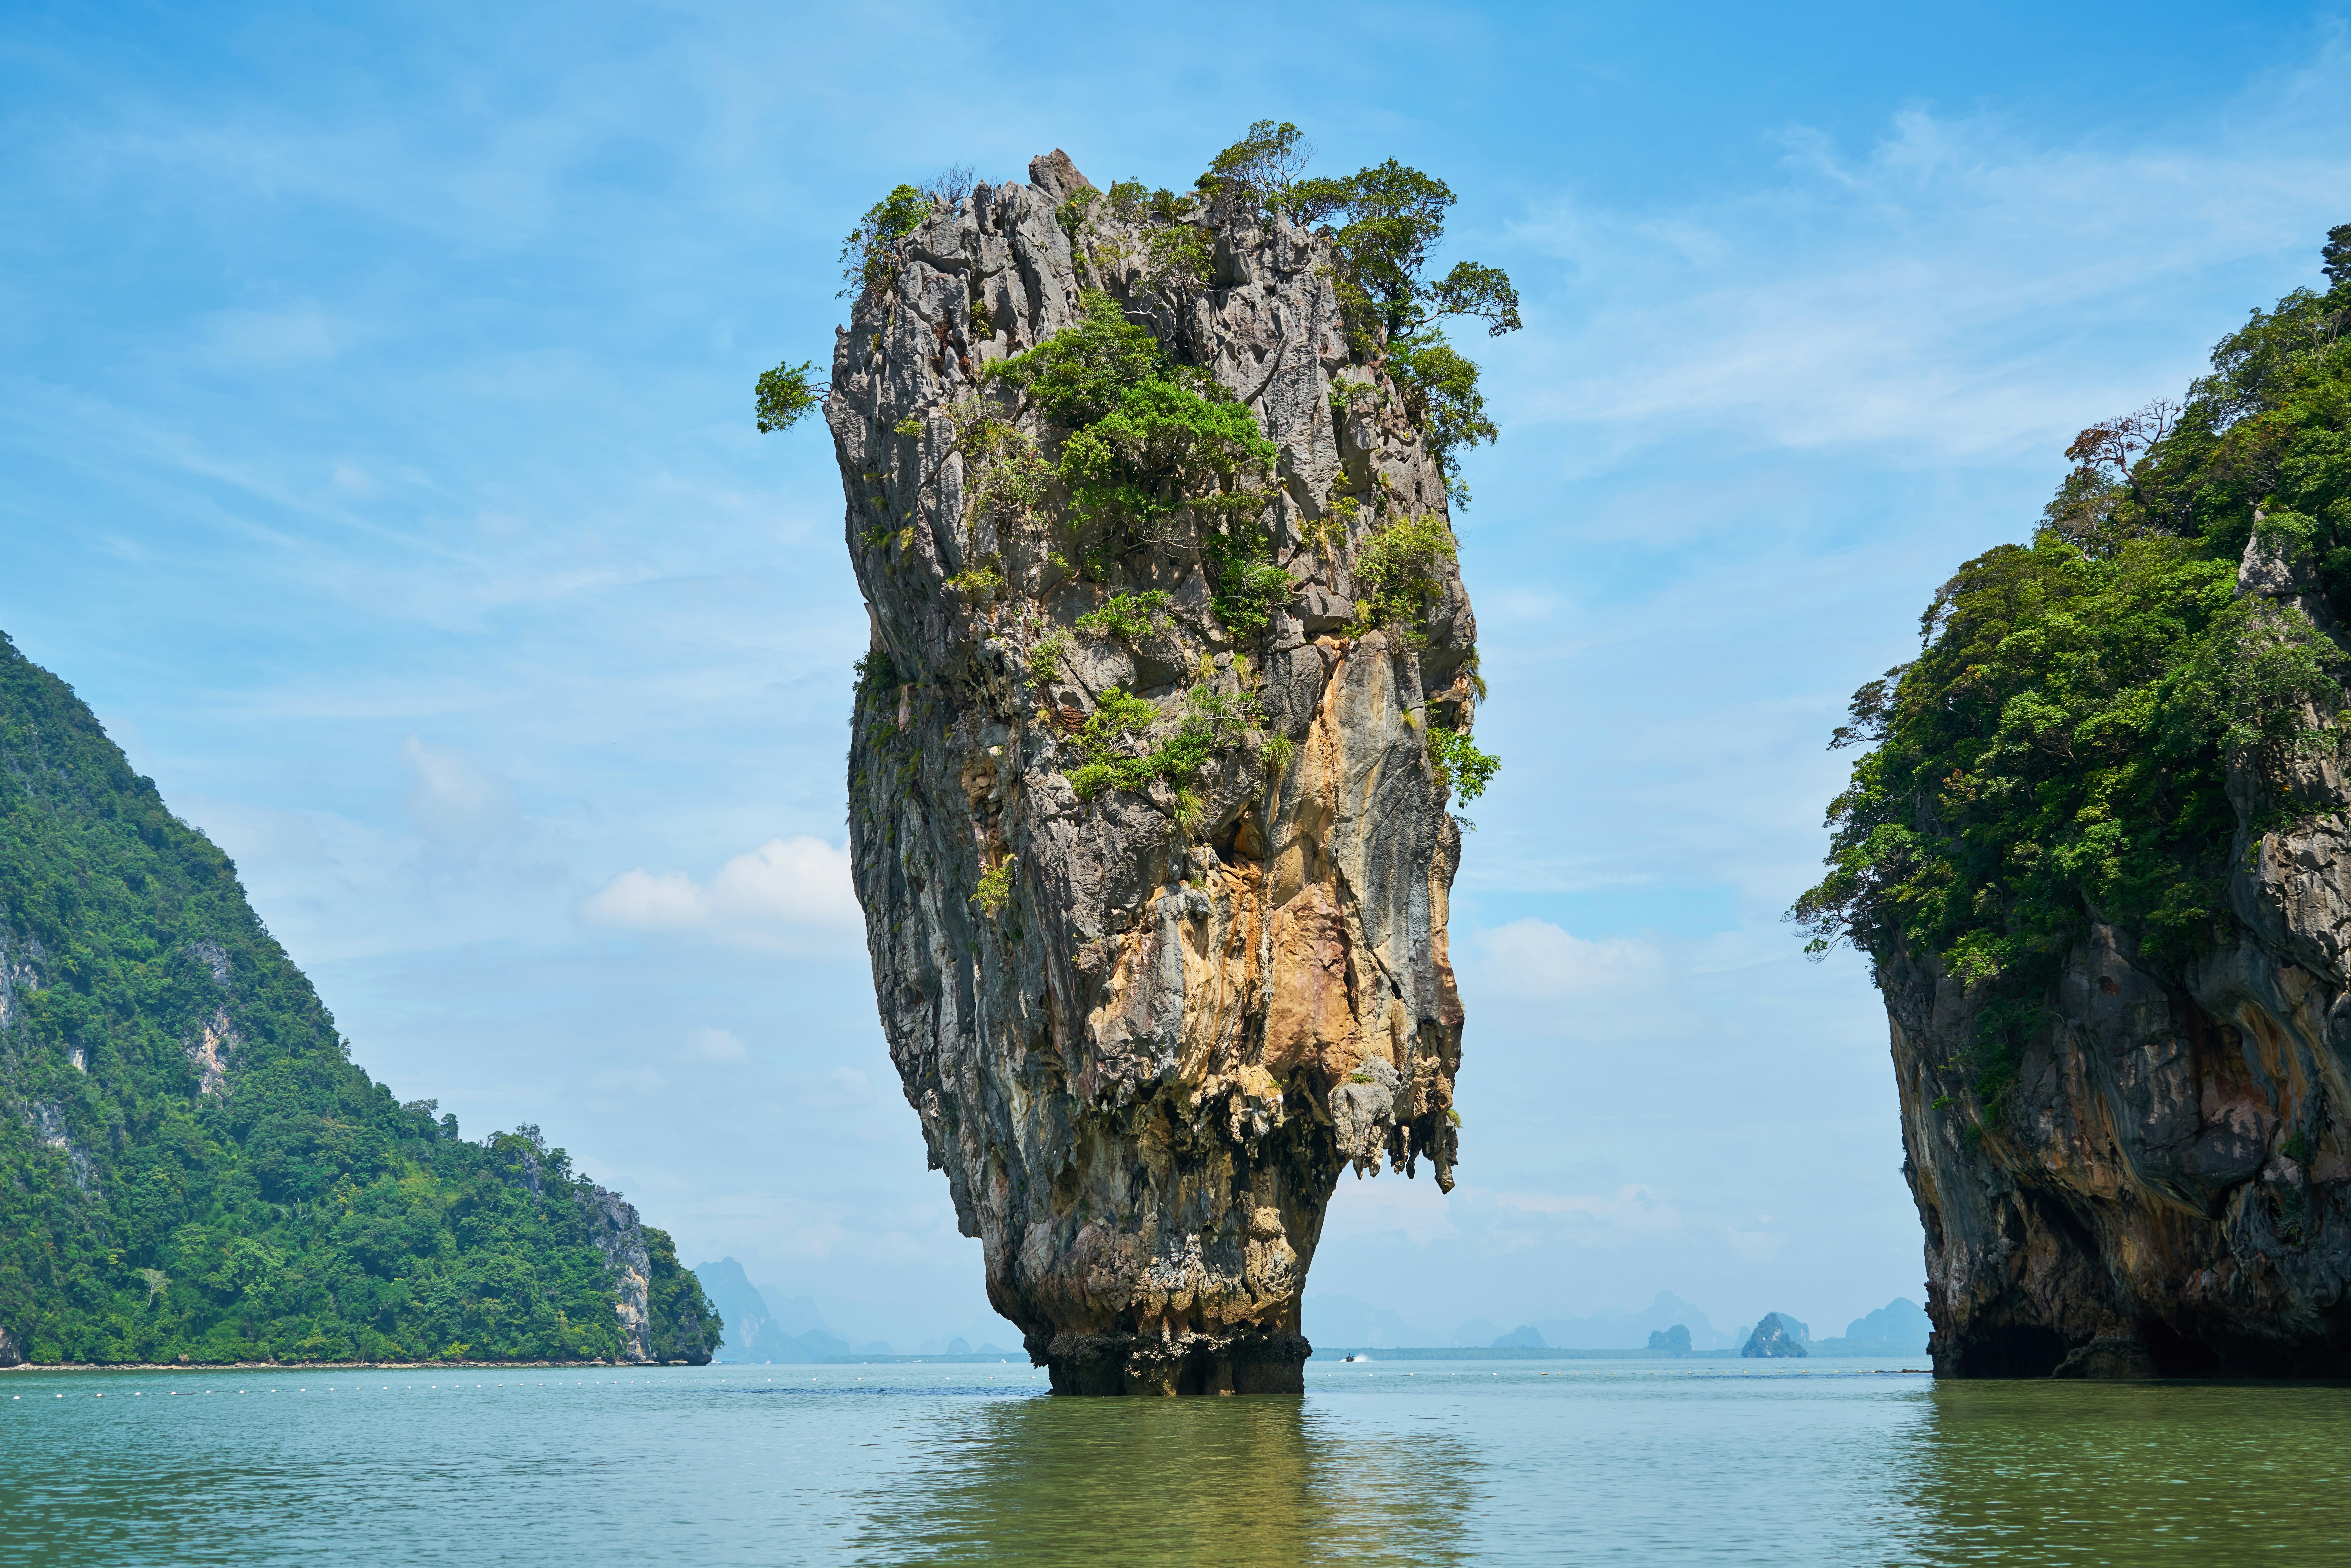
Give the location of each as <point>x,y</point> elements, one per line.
<point>1392,216</point>
<point>1131,617</point>
<point>1459,764</point>
<point>2060,748</point>
<point>292,1210</point>
<point>1149,439</point>
<point>1396,573</point>
<point>872,250</point>
<point>786,394</point>
<point>1110,741</point>
<point>1265,164</point>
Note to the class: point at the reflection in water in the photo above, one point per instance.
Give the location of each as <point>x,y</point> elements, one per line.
<point>1230,1481</point>
<point>1592,1466</point>
<point>2024,1473</point>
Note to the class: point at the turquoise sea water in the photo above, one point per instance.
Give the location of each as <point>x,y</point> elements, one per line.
<point>1426,1462</point>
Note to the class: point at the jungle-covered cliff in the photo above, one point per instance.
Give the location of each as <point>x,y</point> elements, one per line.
<point>191,1167</point>
<point>1173,675</point>
<point>2099,855</point>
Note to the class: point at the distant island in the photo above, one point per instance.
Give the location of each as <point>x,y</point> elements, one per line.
<point>191,1170</point>
<point>1668,1326</point>
<point>1778,1334</point>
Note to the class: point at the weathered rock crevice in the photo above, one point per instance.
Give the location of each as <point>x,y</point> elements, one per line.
<point>1145,1029</point>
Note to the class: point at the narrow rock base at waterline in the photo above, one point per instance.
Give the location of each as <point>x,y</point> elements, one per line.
<point>1247,1363</point>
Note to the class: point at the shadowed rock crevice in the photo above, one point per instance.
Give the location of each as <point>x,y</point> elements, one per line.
<point>1149,1012</point>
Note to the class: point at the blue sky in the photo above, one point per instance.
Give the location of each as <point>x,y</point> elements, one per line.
<point>374,388</point>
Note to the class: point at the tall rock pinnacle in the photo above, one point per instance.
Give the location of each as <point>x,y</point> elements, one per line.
<point>1148,769</point>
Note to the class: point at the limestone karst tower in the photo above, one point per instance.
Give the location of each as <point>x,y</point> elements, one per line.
<point>1171,669</point>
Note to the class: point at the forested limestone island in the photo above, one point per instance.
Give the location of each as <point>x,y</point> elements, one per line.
<point>1172,680</point>
<point>191,1167</point>
<point>2099,856</point>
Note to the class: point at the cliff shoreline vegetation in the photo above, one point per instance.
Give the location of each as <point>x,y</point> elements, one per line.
<point>2098,852</point>
<point>192,1169</point>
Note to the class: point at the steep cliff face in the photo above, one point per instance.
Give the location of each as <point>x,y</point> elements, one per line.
<point>1152,849</point>
<point>2169,1193</point>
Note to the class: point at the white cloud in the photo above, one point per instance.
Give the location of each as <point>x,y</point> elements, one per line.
<point>787,884</point>
<point>641,901</point>
<point>1949,293</point>
<point>798,881</point>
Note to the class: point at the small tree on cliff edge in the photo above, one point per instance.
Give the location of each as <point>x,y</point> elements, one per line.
<point>1389,218</point>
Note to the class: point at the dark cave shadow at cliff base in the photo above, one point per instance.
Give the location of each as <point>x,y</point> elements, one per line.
<point>1242,1482</point>
<point>2153,1350</point>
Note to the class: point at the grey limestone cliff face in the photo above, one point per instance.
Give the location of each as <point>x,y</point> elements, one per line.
<point>1146,1069</point>
<point>2171,1192</point>
<point>622,1239</point>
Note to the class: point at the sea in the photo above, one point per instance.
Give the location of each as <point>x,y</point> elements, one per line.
<point>1557,1463</point>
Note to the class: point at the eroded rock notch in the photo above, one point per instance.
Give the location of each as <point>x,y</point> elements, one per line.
<point>1149,772</point>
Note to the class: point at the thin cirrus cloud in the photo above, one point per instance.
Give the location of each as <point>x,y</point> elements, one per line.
<point>1877,299</point>
<point>268,340</point>
<point>1534,960</point>
<point>786,891</point>
<point>455,800</point>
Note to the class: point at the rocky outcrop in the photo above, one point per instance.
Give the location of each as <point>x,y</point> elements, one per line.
<point>618,1235</point>
<point>1146,1049</point>
<point>1777,1335</point>
<point>662,1312</point>
<point>2168,1190</point>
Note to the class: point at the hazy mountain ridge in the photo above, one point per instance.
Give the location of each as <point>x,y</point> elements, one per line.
<point>765,1326</point>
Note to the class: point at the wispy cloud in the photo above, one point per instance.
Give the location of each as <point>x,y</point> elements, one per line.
<point>786,889</point>
<point>294,334</point>
<point>1936,295</point>
<point>455,800</point>
<point>1534,960</point>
